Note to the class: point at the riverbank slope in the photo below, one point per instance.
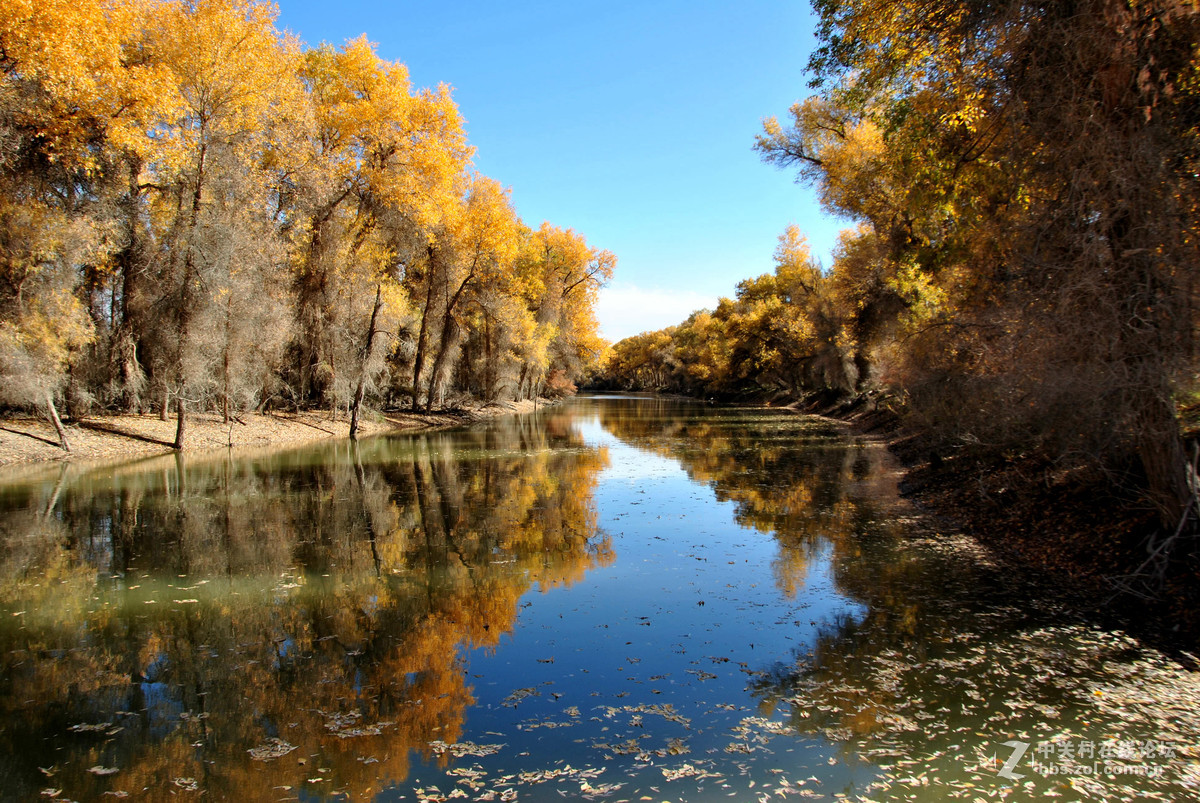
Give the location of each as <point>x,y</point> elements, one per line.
<point>1084,532</point>
<point>28,440</point>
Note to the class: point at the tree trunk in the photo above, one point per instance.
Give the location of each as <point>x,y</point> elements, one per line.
<point>187,300</point>
<point>1160,448</point>
<point>126,327</point>
<point>312,306</point>
<point>437,376</point>
<point>422,335</point>
<point>449,334</point>
<point>180,421</point>
<point>521,382</point>
<point>361,388</point>
<point>489,366</point>
<point>225,366</point>
<point>465,377</point>
<point>333,369</point>
<point>862,364</point>
<point>52,413</point>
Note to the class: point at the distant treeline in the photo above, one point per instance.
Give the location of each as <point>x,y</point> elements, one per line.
<point>1023,275</point>
<point>197,212</point>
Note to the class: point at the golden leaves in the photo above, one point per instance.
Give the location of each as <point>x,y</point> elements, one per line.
<point>71,53</point>
<point>43,319</point>
<point>232,74</point>
<point>372,130</point>
<point>199,132</point>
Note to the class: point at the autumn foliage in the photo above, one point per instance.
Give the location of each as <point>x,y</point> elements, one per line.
<point>1022,275</point>
<point>199,212</point>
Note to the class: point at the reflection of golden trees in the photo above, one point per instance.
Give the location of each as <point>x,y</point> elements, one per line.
<point>800,480</point>
<point>238,627</point>
<point>793,476</point>
<point>918,670</point>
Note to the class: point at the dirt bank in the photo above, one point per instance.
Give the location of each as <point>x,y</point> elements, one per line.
<point>118,437</point>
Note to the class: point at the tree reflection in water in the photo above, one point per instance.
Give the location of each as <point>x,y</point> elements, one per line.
<point>301,625</point>
<point>244,627</point>
<point>949,656</point>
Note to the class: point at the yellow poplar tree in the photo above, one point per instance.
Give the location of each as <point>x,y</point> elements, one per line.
<point>234,74</point>
<point>67,93</point>
<point>387,165</point>
<point>482,238</point>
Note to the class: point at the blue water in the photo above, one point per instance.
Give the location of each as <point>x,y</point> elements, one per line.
<point>615,599</point>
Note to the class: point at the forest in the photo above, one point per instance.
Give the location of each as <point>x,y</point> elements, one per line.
<point>1021,275</point>
<point>198,212</point>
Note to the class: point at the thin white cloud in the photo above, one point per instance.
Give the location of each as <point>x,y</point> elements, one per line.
<point>625,309</point>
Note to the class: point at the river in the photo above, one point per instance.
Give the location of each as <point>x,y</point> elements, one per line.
<point>617,598</point>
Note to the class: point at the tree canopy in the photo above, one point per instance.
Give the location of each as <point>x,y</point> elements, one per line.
<point>1023,176</point>
<point>198,212</point>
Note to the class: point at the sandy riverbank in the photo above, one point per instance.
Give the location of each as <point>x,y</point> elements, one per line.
<point>118,437</point>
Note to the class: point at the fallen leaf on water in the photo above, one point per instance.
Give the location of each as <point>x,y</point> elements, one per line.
<point>272,748</point>
<point>84,728</point>
<point>461,749</point>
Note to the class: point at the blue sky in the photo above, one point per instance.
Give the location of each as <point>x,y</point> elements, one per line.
<point>630,122</point>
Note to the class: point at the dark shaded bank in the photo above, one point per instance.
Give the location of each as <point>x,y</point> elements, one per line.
<point>1089,536</point>
<point>1085,536</point>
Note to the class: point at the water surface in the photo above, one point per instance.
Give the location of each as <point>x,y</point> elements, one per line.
<point>614,599</point>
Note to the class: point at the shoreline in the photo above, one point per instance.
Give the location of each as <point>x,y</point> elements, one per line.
<point>1066,531</point>
<point>30,442</point>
